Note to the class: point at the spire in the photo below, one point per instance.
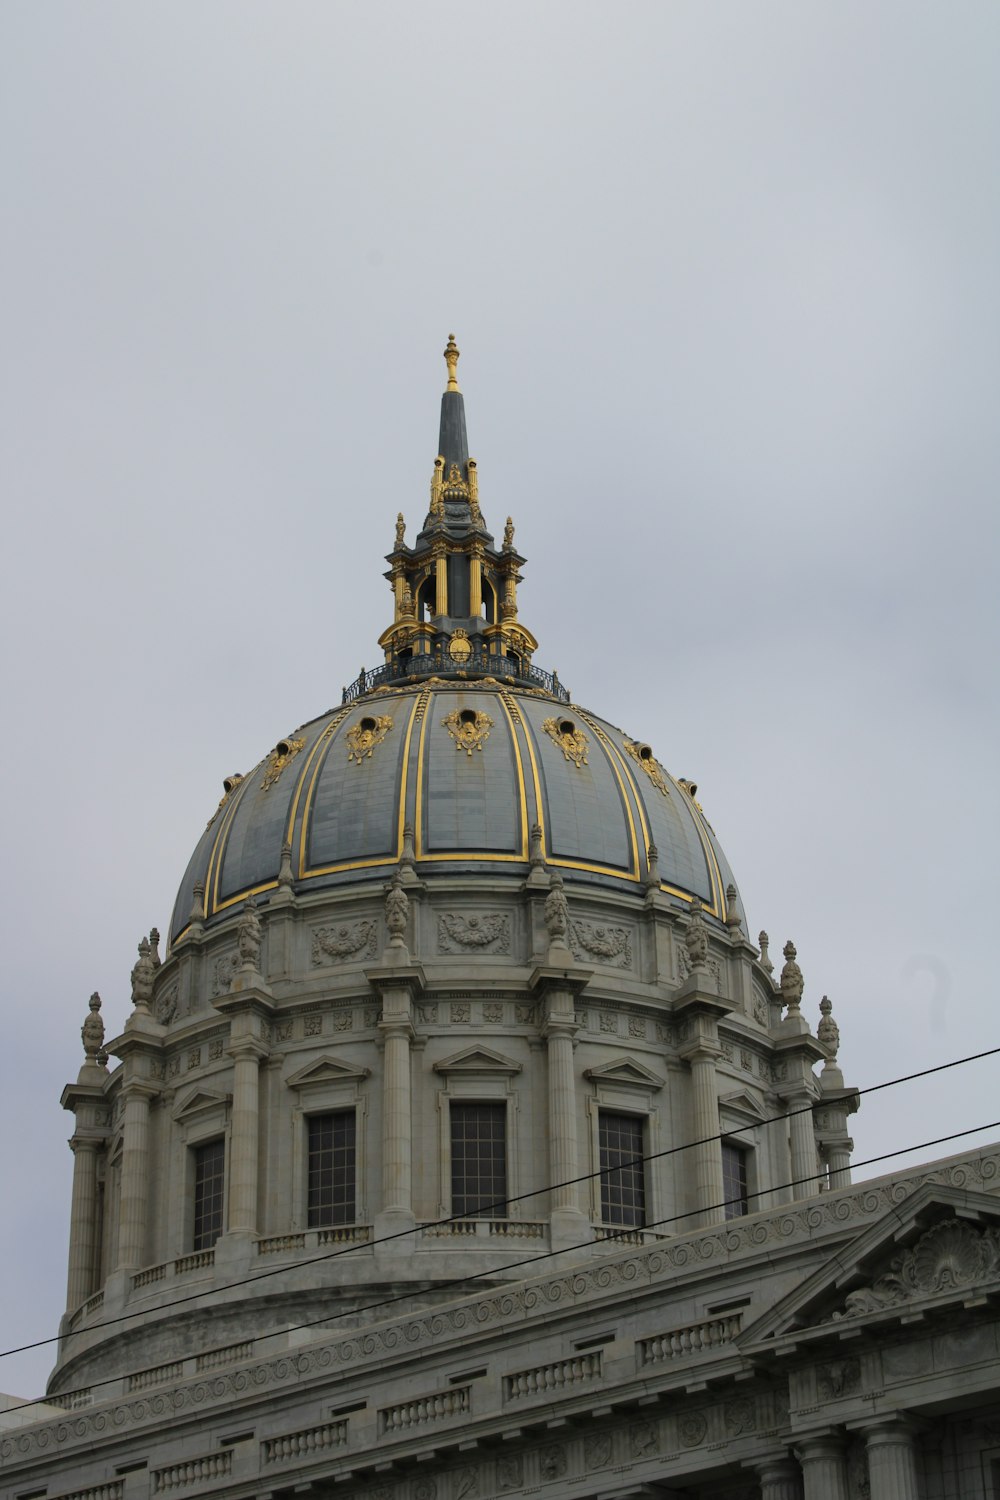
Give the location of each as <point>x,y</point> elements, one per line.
<point>453,444</point>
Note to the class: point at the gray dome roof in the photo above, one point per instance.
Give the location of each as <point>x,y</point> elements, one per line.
<point>471,768</point>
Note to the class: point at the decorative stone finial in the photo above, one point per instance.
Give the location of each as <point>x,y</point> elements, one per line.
<point>285,876</point>
<point>537,857</point>
<point>557,913</point>
<point>765,957</point>
<point>92,1031</point>
<point>408,857</point>
<point>451,355</point>
<point>696,936</point>
<point>249,934</point>
<point>154,946</point>
<point>652,880</point>
<point>732,912</point>
<point>400,529</point>
<point>197,902</point>
<point>791,980</point>
<point>828,1032</point>
<point>397,911</point>
<point>142,979</point>
<point>508,536</point>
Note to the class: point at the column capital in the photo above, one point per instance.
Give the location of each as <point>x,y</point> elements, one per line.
<point>892,1427</point>
<point>139,1088</point>
<point>397,1026</point>
<point>828,1444</point>
<point>248,1046</point>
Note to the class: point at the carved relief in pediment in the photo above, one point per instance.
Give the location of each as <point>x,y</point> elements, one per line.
<point>947,1257</point>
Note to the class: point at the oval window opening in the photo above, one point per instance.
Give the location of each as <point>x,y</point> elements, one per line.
<point>467,716</point>
<point>283,747</point>
<point>368,724</point>
<point>567,726</point>
<point>645,752</point>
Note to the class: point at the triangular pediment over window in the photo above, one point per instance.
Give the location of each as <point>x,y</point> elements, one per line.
<point>325,1070</point>
<point>199,1102</point>
<point>627,1071</point>
<point>741,1103</point>
<point>932,1252</point>
<point>477,1060</point>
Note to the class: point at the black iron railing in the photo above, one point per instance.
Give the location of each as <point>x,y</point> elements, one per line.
<point>439,663</point>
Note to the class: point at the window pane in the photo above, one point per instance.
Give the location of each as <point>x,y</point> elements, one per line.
<point>209,1187</point>
<point>734,1181</point>
<point>332,1174</point>
<point>479,1160</point>
<point>623,1184</point>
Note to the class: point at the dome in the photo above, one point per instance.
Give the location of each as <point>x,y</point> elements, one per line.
<point>455,776</point>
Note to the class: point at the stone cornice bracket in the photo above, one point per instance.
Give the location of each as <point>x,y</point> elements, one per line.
<point>548,977</point>
<point>386,979</point>
<point>255,1000</point>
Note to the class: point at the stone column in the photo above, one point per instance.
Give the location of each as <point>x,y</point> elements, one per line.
<point>780,1478</point>
<point>838,1160</point>
<point>244,1135</point>
<point>562,1114</point>
<point>82,1224</point>
<point>804,1168</point>
<point>475,582</point>
<point>441,580</point>
<point>134,1177</point>
<point>892,1459</point>
<point>708,1153</point>
<point>824,1468</point>
<point>397,1032</point>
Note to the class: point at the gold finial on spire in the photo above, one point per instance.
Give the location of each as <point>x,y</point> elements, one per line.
<point>451,354</point>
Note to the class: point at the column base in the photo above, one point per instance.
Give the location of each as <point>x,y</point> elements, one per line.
<point>395,1240</point>
<point>569,1229</point>
<point>235,1254</point>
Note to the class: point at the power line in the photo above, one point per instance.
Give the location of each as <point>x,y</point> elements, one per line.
<point>457,1281</point>
<point>329,1255</point>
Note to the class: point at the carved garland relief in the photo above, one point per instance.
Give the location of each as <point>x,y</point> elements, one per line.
<point>333,943</point>
<point>470,730</point>
<point>644,759</point>
<point>571,740</point>
<point>486,934</point>
<point>613,945</point>
<point>364,736</point>
<point>283,753</point>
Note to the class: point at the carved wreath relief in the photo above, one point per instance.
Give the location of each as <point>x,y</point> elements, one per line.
<point>365,735</point>
<point>332,943</point>
<point>486,934</point>
<point>571,740</point>
<point>470,730</point>
<point>613,945</point>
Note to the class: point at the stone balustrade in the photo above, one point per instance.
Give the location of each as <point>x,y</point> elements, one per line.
<point>311,1440</point>
<point>73,1400</point>
<point>438,1407</point>
<point>214,1359</point>
<point>695,1338</point>
<point>115,1490</point>
<point>486,1229</point>
<point>200,1260</point>
<point>142,1380</point>
<point>542,1379</point>
<point>148,1277</point>
<point>193,1471</point>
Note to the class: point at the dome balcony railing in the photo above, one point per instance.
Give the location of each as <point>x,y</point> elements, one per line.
<point>439,663</point>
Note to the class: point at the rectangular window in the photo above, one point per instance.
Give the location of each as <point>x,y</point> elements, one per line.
<point>623,1180</point>
<point>479,1160</point>
<point>209,1185</point>
<point>734,1181</point>
<point>332,1164</point>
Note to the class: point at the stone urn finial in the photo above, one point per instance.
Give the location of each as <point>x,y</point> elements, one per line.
<point>828,1032</point>
<point>92,1031</point>
<point>733,912</point>
<point>397,911</point>
<point>557,913</point>
<point>652,878</point>
<point>765,957</point>
<point>142,979</point>
<point>285,876</point>
<point>249,935</point>
<point>792,983</point>
<point>154,947</point>
<point>696,937</point>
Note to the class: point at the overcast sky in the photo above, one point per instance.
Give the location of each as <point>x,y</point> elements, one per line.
<point>725,281</point>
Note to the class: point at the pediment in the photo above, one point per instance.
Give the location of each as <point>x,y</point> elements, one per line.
<point>742,1103</point>
<point>199,1102</point>
<point>626,1070</point>
<point>326,1070</point>
<point>936,1247</point>
<point>477,1060</point>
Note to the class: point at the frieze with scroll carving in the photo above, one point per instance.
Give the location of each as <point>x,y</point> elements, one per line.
<point>282,755</point>
<point>646,761</point>
<point>489,933</point>
<point>571,740</point>
<point>611,945</point>
<point>468,728</point>
<point>366,735</point>
<point>946,1258</point>
<point>330,944</point>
